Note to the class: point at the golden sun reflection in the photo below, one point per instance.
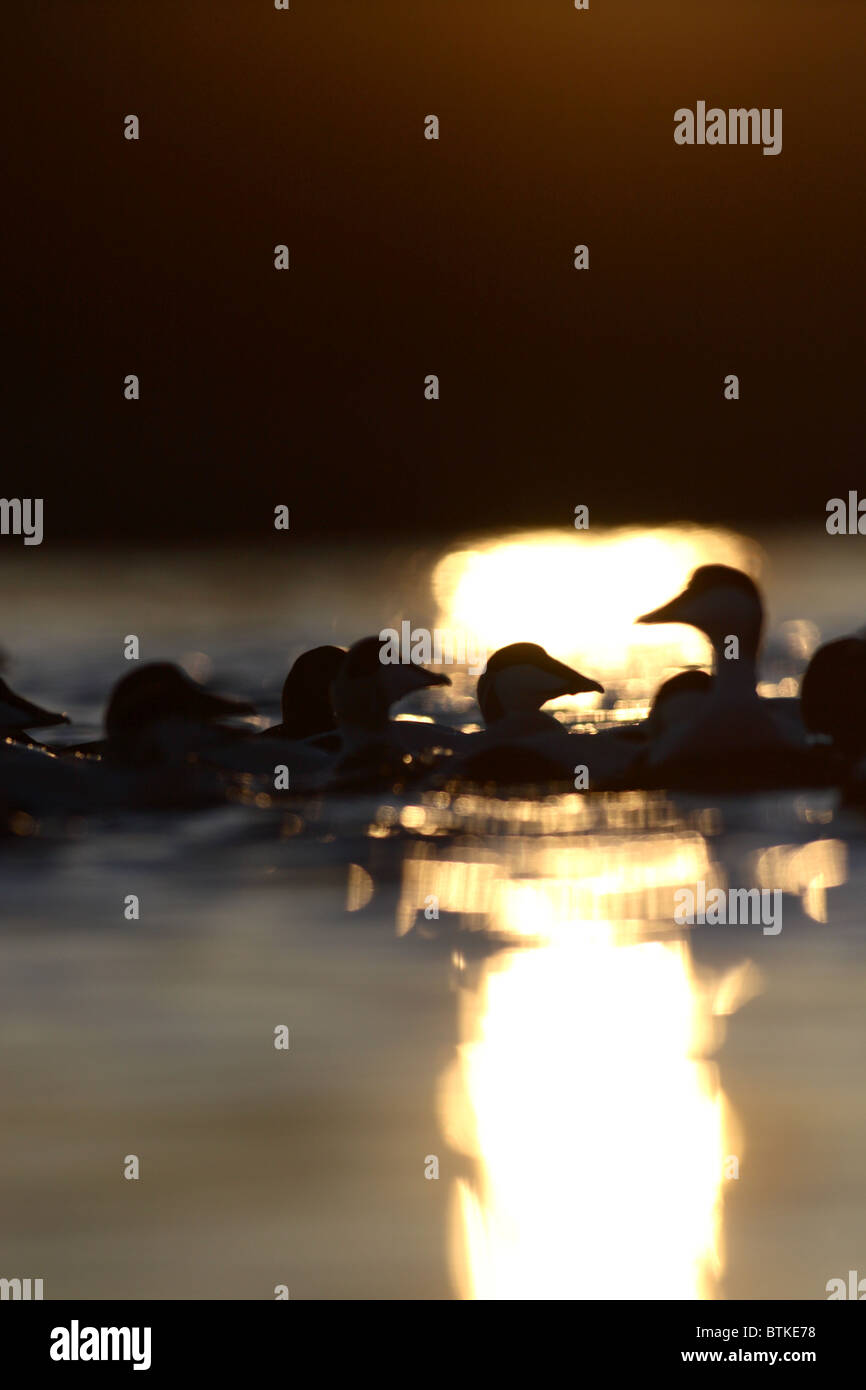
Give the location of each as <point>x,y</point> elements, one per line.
<point>578,594</point>
<point>592,1125</point>
<point>808,870</point>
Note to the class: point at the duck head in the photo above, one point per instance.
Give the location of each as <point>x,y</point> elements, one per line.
<point>17,713</point>
<point>721,602</point>
<point>366,687</point>
<point>522,677</point>
<point>833,694</point>
<point>160,693</point>
<point>678,701</point>
<point>307,707</point>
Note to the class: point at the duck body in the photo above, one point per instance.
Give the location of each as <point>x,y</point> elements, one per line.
<point>306,763</point>
<point>45,786</point>
<point>424,736</point>
<point>36,782</point>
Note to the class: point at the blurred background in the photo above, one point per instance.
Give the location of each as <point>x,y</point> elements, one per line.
<point>411,257</point>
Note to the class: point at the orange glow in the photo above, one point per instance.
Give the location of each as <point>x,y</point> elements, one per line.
<point>582,1096</point>
<point>578,594</point>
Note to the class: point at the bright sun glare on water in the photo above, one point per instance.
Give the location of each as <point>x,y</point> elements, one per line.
<point>591,1119</point>
<point>578,594</point>
<point>601,1134</point>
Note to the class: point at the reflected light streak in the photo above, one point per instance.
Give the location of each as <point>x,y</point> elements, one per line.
<point>595,878</point>
<point>807,870</point>
<point>593,1127</point>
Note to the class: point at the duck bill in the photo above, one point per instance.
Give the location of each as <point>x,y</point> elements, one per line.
<point>584,685</point>
<point>673,612</point>
<point>208,706</point>
<point>567,681</point>
<point>405,680</point>
<point>419,678</point>
<point>24,715</point>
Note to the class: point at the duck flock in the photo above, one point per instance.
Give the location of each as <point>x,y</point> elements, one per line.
<point>167,743</point>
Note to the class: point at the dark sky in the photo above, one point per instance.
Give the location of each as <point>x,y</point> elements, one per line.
<point>410,256</point>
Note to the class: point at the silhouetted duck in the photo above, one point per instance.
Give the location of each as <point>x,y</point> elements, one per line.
<point>307,705</point>
<point>518,680</point>
<point>156,718</point>
<point>372,754</point>
<point>677,702</point>
<point>833,694</point>
<point>522,743</point>
<point>157,713</point>
<point>735,738</point>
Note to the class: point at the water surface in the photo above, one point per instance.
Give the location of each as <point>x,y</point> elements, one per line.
<point>619,1107</point>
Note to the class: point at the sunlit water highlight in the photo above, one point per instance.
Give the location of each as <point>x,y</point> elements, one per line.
<point>582,1069</point>
<point>582,1090</point>
<point>579,594</point>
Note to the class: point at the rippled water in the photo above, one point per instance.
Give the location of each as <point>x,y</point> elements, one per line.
<point>618,1107</point>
